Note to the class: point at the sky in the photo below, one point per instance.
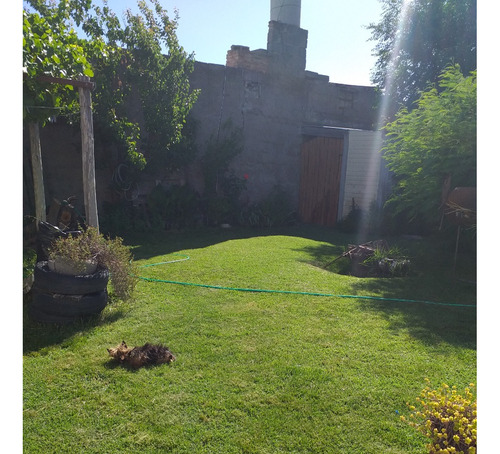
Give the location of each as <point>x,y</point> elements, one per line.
<point>337,46</point>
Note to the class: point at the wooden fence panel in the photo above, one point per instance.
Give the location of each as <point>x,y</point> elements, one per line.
<point>321,166</point>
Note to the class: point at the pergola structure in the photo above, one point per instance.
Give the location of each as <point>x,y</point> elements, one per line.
<point>85,88</point>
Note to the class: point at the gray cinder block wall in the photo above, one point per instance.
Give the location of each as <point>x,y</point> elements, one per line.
<point>269,94</point>
<point>266,92</point>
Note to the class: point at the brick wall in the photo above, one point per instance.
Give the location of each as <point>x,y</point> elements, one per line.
<point>242,57</point>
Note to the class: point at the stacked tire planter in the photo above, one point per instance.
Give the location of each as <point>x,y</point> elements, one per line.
<point>64,298</point>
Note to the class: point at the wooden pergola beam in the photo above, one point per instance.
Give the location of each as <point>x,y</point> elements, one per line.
<point>37,170</point>
<point>88,162</point>
<point>80,83</point>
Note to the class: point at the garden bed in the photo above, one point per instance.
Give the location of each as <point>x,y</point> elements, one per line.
<point>254,372</point>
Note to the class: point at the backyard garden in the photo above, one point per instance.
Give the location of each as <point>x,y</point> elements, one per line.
<point>203,324</point>
<point>273,351</point>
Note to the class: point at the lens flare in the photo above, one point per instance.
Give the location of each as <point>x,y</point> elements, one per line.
<point>374,167</point>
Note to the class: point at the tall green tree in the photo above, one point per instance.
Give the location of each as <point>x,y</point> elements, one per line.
<point>142,95</point>
<point>50,48</point>
<point>435,140</point>
<point>416,40</point>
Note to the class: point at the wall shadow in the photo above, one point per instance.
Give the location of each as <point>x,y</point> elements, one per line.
<point>151,244</point>
<point>154,243</point>
<point>439,319</point>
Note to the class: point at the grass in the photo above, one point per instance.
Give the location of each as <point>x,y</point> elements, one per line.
<point>255,372</point>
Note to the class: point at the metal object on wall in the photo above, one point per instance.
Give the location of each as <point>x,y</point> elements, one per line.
<point>286,11</point>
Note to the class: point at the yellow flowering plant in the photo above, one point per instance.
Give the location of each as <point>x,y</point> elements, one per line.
<point>448,419</point>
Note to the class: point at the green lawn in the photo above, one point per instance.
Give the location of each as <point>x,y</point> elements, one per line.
<point>264,372</point>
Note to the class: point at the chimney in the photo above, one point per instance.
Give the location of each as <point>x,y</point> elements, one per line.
<point>286,11</point>
<point>286,41</point>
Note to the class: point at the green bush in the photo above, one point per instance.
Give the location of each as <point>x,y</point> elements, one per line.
<point>273,210</point>
<point>29,261</point>
<point>218,210</point>
<point>108,253</point>
<point>116,218</point>
<point>222,187</point>
<point>352,222</point>
<point>176,207</point>
<point>448,419</point>
<point>390,263</point>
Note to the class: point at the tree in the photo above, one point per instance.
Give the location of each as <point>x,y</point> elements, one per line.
<point>435,140</point>
<point>146,72</point>
<point>416,40</point>
<point>50,48</point>
<point>142,96</point>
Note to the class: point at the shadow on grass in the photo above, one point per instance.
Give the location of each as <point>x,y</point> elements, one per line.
<point>39,335</point>
<point>432,320</point>
<point>154,243</point>
<point>443,315</point>
<point>112,364</point>
<point>431,278</point>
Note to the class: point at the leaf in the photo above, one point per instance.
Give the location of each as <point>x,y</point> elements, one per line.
<point>88,72</point>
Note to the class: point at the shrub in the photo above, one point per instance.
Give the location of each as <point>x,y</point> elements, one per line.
<point>29,261</point>
<point>222,187</point>
<point>392,262</point>
<point>108,253</point>
<point>117,218</point>
<point>448,419</point>
<point>176,207</point>
<point>273,210</point>
<point>352,222</point>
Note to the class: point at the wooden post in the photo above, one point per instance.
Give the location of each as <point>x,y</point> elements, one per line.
<point>456,251</point>
<point>88,162</point>
<point>37,168</point>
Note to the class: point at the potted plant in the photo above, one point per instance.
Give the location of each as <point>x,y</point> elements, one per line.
<point>73,282</point>
<point>29,261</point>
<point>84,253</point>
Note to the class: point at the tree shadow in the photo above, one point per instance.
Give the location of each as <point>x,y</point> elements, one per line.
<point>433,305</point>
<point>154,243</point>
<point>441,313</point>
<point>430,317</point>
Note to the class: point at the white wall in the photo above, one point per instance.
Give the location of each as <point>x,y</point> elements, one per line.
<point>362,171</point>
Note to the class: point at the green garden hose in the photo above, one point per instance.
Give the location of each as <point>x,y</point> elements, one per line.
<point>287,292</point>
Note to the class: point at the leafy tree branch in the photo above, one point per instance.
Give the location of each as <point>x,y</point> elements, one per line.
<point>142,95</point>
<point>434,140</point>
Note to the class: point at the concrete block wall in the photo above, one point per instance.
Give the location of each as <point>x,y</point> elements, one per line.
<point>271,107</point>
<point>270,96</point>
<point>340,105</point>
<point>287,45</point>
<point>267,107</point>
